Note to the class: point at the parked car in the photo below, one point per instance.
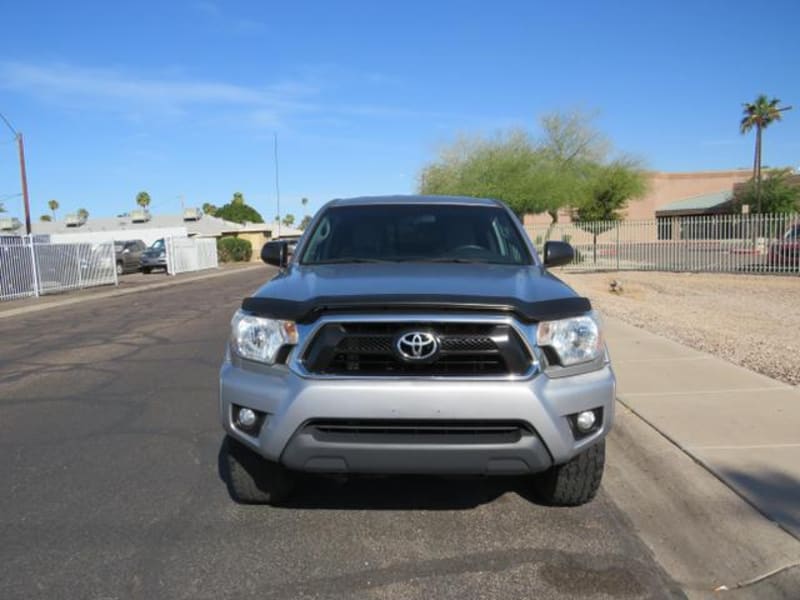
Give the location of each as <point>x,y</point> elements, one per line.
<point>128,254</point>
<point>786,251</point>
<point>155,257</point>
<point>416,335</point>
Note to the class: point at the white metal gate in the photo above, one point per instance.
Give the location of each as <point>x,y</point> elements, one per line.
<point>30,268</point>
<point>190,254</point>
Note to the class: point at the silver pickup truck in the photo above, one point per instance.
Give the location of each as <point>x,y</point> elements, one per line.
<point>416,335</point>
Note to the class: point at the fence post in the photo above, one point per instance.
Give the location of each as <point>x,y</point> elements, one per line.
<point>34,269</point>
<point>617,250</point>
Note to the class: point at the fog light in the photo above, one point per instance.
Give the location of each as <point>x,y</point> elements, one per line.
<point>246,417</point>
<point>585,420</point>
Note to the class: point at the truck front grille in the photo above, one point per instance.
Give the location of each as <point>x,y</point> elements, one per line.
<point>370,349</point>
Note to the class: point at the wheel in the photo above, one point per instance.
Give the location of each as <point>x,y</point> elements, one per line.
<point>120,268</point>
<point>575,482</point>
<point>251,478</point>
<point>146,270</point>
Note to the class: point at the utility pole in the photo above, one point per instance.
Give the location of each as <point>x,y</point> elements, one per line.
<point>24,177</point>
<point>22,172</point>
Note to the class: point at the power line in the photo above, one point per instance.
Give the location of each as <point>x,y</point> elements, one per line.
<point>9,125</point>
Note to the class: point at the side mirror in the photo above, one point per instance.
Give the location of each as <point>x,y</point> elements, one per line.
<point>275,253</point>
<point>557,253</point>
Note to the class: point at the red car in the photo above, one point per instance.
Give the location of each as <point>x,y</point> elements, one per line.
<point>786,251</point>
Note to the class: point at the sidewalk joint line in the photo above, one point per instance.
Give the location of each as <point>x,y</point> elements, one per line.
<point>746,447</point>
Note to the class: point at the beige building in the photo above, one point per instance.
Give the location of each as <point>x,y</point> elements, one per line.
<point>667,188</point>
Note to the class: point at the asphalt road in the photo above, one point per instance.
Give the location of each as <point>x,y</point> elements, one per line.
<point>109,442</point>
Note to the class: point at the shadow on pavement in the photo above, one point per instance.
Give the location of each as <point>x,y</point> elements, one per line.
<point>398,492</point>
<point>775,493</point>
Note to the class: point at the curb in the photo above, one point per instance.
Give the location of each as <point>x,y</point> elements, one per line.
<point>23,310</point>
<point>705,466</point>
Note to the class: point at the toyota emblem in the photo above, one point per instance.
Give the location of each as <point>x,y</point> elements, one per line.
<point>417,346</point>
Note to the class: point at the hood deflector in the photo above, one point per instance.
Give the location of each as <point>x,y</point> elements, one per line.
<point>308,311</point>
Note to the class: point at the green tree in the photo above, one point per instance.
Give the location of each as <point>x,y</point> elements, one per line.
<point>505,167</point>
<point>759,115</point>
<point>143,199</point>
<point>83,213</point>
<point>44,218</point>
<point>53,206</point>
<point>530,175</point>
<point>611,187</point>
<point>239,213</point>
<point>304,223</point>
<point>238,199</point>
<point>288,220</point>
<point>277,218</point>
<point>209,208</point>
<point>304,201</point>
<point>777,193</point>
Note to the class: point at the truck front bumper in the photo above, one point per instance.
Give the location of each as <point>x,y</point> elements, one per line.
<point>299,414</point>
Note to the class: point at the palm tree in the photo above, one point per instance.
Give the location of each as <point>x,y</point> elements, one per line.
<point>304,201</point>
<point>759,114</point>
<point>53,205</point>
<point>143,199</point>
<point>83,213</point>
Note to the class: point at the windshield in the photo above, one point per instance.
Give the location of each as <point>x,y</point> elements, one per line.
<point>118,246</point>
<point>416,233</point>
<point>157,245</point>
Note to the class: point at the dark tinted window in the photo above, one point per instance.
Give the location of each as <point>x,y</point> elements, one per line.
<point>408,232</point>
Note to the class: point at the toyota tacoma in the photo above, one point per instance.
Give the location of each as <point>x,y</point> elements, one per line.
<point>416,335</point>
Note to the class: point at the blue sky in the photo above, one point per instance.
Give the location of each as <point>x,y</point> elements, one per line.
<point>182,97</point>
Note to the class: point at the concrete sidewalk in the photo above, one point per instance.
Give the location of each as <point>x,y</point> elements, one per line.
<point>742,426</point>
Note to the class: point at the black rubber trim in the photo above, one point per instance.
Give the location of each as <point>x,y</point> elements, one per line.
<point>310,310</point>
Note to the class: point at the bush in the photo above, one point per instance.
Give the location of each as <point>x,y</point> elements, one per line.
<point>233,249</point>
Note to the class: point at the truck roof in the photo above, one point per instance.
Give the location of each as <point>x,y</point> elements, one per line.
<point>413,199</point>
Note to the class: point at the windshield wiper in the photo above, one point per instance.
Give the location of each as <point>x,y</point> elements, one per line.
<point>455,260</point>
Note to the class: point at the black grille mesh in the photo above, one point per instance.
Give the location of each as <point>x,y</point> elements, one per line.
<point>369,349</point>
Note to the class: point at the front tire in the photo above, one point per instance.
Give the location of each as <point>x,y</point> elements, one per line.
<point>251,478</point>
<point>575,482</point>
<point>146,270</point>
<point>120,269</point>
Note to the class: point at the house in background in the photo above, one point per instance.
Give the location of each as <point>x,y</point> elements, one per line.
<point>665,189</point>
<point>142,225</point>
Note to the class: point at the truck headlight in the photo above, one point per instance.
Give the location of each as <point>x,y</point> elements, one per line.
<point>259,338</point>
<point>575,340</point>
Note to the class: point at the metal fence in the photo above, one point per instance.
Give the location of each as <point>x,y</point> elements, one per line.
<point>30,268</point>
<point>190,254</point>
<point>718,243</point>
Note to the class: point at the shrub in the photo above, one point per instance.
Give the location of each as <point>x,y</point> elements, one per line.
<point>233,249</point>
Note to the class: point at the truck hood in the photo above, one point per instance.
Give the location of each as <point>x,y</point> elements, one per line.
<point>302,292</point>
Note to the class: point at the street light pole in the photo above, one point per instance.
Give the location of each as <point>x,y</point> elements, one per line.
<point>277,183</point>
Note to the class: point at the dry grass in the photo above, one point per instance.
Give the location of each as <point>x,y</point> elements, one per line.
<point>753,321</point>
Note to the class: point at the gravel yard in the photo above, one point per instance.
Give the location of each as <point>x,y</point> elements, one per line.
<point>753,321</point>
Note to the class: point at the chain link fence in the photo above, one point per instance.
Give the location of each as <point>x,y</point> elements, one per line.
<point>32,268</point>
<point>717,243</point>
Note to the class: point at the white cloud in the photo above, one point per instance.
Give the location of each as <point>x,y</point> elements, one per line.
<point>119,91</point>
